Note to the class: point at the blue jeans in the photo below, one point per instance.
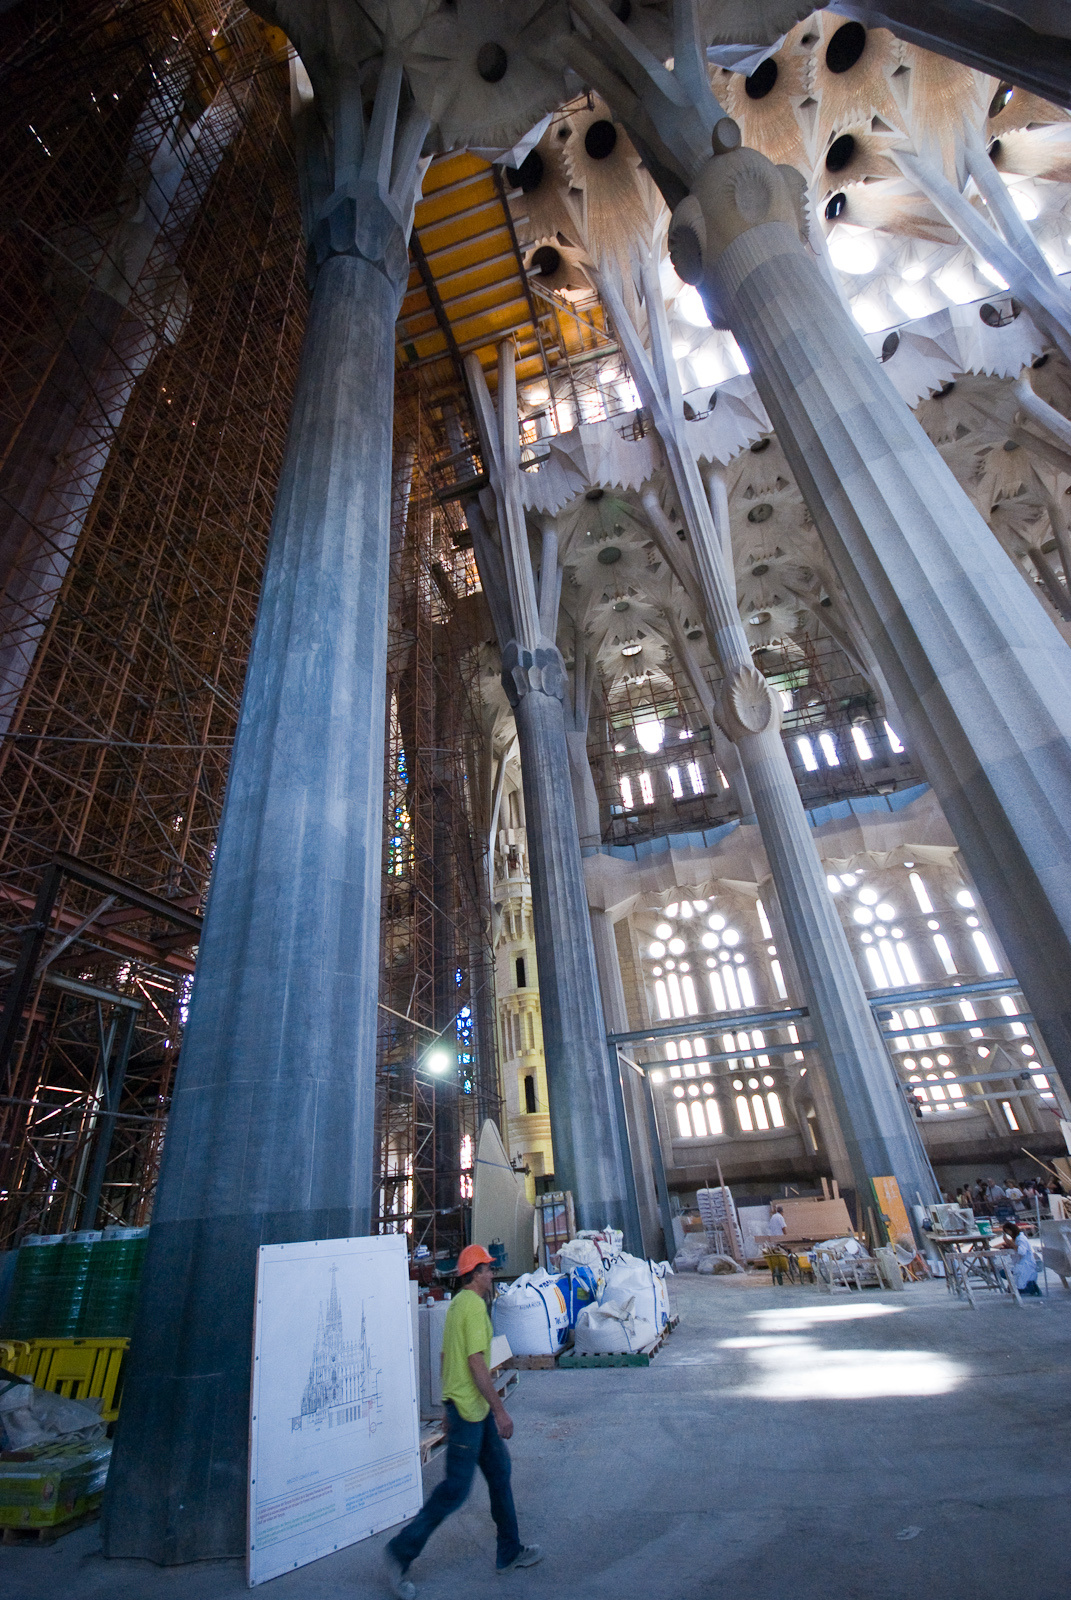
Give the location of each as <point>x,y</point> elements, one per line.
<point>468,1445</point>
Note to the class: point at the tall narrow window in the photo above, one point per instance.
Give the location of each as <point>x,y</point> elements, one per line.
<point>829,749</point>
<point>646,790</point>
<point>764,921</point>
<point>717,993</point>
<point>861,742</point>
<point>691,1004</point>
<point>925,903</point>
<point>779,980</point>
<point>1010,1009</point>
<point>743,1114</point>
<point>530,1094</point>
<point>683,1122</point>
<point>941,945</point>
<point>675,1001</point>
<point>731,991</point>
<point>777,1116</point>
<point>807,755</point>
<point>893,737</point>
<point>892,964</point>
<point>674,776</point>
<point>761,1119</point>
<point>695,778</point>
<point>662,999</point>
<point>747,992</point>
<point>699,1121</point>
<point>1010,1115</point>
<point>626,794</point>
<point>985,951</point>
<point>907,961</point>
<point>522,981</point>
<point>877,969</point>
<point>714,1117</point>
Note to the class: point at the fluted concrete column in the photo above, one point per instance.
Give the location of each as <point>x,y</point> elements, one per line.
<point>879,1135</point>
<point>270,1137</point>
<point>977,668</point>
<point>590,1156</point>
<point>604,941</point>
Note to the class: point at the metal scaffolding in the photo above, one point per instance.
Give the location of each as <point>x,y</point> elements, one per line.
<point>152,308</point>
<point>144,541</point>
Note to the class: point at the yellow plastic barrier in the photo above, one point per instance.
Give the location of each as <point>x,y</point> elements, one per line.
<point>80,1369</point>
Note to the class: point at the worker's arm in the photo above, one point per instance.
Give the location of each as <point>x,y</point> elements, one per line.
<point>481,1377</point>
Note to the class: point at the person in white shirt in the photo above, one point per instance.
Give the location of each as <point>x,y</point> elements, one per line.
<point>777,1225</point>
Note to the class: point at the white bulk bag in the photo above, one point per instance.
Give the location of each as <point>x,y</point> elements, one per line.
<point>533,1315</point>
<point>631,1276</point>
<point>583,1253</point>
<point>612,1328</point>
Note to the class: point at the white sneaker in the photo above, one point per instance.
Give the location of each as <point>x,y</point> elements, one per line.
<point>526,1556</point>
<point>400,1585</point>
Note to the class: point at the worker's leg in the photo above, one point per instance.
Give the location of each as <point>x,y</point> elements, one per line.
<point>496,1468</point>
<point>463,1440</point>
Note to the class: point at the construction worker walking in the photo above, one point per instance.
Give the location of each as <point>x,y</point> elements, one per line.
<point>477,1426</point>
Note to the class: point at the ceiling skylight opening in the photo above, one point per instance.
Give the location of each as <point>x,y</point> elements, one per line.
<point>870,314</point>
<point>852,250</point>
<point>689,305</point>
<point>990,274</point>
<point>1023,201</point>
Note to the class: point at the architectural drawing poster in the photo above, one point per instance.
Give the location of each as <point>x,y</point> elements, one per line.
<point>335,1423</point>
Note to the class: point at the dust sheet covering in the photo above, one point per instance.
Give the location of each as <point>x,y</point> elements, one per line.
<point>335,1420</point>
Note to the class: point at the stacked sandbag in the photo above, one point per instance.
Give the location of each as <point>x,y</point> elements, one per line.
<point>613,1328</point>
<point>533,1314</point>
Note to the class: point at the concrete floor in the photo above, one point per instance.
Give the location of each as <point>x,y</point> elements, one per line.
<point>785,1445</point>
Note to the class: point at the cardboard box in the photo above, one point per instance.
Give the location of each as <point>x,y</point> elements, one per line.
<point>48,1484</point>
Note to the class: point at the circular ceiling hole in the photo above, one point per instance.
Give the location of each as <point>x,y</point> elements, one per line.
<point>609,554</point>
<point>491,63</point>
<point>761,513</point>
<point>1041,361</point>
<point>622,9</point>
<point>694,633</point>
<point>621,605</point>
<point>759,446</point>
<point>825,601</point>
<point>594,494</point>
<point>529,175</point>
<point>600,139</point>
<point>890,346</point>
<point>946,388</point>
<point>762,80</point>
<point>836,207</point>
<point>1000,99</point>
<point>999,316</point>
<point>840,153</point>
<point>845,47</point>
<point>761,570</point>
<point>545,261</point>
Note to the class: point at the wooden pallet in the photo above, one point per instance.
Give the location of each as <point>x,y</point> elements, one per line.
<point>532,1363</point>
<point>49,1535</point>
<point>631,1358</point>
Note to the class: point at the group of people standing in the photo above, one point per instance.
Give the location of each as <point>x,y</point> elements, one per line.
<point>988,1197</point>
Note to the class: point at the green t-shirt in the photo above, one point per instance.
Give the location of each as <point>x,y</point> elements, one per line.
<point>467,1330</point>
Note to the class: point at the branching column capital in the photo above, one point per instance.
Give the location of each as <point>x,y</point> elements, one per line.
<point>540,671</point>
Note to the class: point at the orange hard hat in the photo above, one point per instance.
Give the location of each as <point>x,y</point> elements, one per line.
<point>473,1256</point>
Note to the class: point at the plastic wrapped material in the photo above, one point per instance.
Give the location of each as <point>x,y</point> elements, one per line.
<point>533,1314</point>
<point>608,1241</point>
<point>31,1416</point>
<point>47,1485</point>
<point>613,1328</point>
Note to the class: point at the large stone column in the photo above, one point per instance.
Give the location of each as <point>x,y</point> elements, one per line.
<point>978,670</point>
<point>591,1155</point>
<point>879,1134</point>
<point>271,1131</point>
